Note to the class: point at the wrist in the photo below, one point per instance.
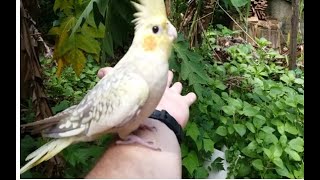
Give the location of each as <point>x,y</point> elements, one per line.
<point>164,117</point>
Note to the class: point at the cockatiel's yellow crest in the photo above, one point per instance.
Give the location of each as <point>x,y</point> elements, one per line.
<point>121,101</point>
<point>148,9</point>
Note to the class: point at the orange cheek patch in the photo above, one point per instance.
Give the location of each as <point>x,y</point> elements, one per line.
<point>149,43</point>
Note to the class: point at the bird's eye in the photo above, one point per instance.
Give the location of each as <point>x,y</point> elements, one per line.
<point>155,29</point>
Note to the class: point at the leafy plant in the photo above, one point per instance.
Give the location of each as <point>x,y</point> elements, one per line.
<point>89,28</point>
<point>250,104</point>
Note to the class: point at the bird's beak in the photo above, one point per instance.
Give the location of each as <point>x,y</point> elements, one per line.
<point>172,32</point>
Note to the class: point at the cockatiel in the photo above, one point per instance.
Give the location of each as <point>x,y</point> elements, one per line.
<point>121,100</point>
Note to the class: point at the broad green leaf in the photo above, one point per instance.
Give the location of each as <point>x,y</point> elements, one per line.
<point>193,131</point>
<point>268,129</point>
<point>250,127</point>
<point>250,111</point>
<point>268,153</point>
<point>257,163</point>
<point>184,150</point>
<point>237,103</point>
<point>87,44</point>
<point>240,129</point>
<point>258,121</point>
<point>291,101</point>
<point>216,98</point>
<point>297,144</point>
<point>253,145</point>
<point>222,131</point>
<point>230,110</point>
<point>281,128</point>
<point>293,154</point>
<point>83,16</point>
<point>285,78</point>
<point>269,138</point>
<point>201,173</point>
<point>219,84</point>
<point>230,130</point>
<point>300,173</point>
<point>190,62</point>
<point>191,162</point>
<point>278,161</point>
<point>276,150</point>
<point>208,145</point>
<point>275,91</point>
<point>284,172</point>
<point>244,169</point>
<point>250,153</point>
<point>199,145</point>
<point>93,32</point>
<point>195,79</point>
<point>283,140</point>
<point>299,81</point>
<point>78,60</point>
<point>288,127</point>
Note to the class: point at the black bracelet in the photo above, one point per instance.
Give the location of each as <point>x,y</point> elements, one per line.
<point>167,119</point>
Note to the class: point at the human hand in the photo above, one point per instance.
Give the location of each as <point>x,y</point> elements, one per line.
<point>172,101</point>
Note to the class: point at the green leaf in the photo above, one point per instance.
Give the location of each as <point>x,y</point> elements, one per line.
<point>184,150</point>
<point>230,110</point>
<point>300,173</point>
<point>199,145</point>
<point>258,121</point>
<point>267,152</point>
<point>250,111</point>
<point>84,15</point>
<point>250,153</point>
<point>250,127</point>
<point>278,161</point>
<point>191,162</point>
<point>201,173</point>
<point>268,129</point>
<point>288,127</point>
<point>275,91</point>
<point>219,84</point>
<point>230,129</point>
<point>276,150</point>
<point>208,145</point>
<point>190,62</point>
<point>291,101</point>
<point>222,131</point>
<point>299,81</point>
<point>87,44</point>
<point>284,172</point>
<point>217,164</point>
<point>240,128</point>
<point>257,163</point>
<point>237,103</point>
<point>253,145</point>
<point>216,98</point>
<point>281,128</point>
<point>64,104</point>
<point>193,131</point>
<point>293,154</point>
<point>268,138</point>
<point>297,144</point>
<point>283,140</point>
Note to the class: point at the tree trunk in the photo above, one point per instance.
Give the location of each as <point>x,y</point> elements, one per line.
<point>293,35</point>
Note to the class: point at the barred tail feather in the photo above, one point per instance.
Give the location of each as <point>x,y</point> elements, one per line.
<point>46,152</point>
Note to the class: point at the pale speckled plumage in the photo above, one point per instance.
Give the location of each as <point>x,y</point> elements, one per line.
<point>122,99</point>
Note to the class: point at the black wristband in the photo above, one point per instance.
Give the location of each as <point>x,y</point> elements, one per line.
<point>168,120</point>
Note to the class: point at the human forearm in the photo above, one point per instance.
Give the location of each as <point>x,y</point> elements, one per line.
<point>135,161</point>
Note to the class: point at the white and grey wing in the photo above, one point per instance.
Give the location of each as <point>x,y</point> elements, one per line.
<point>111,103</point>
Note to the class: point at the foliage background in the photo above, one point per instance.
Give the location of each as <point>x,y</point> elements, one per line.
<point>248,100</point>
